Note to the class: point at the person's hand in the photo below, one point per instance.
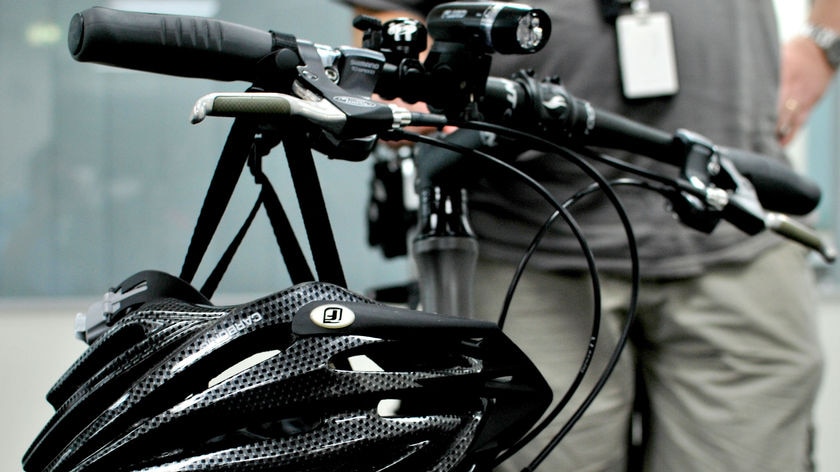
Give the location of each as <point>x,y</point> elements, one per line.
<point>805,75</point>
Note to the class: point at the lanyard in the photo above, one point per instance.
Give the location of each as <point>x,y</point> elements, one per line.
<point>610,9</point>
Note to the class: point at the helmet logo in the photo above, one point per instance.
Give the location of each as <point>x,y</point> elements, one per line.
<point>332,316</point>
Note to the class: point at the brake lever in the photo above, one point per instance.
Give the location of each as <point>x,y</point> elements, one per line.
<point>794,230</point>
<point>743,208</point>
<point>740,206</point>
<point>268,105</point>
<point>715,190</point>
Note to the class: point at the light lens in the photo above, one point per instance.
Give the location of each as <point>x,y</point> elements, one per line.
<point>529,33</point>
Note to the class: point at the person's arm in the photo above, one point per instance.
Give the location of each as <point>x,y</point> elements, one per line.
<point>805,71</point>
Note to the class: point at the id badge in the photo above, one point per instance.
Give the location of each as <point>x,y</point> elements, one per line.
<point>646,55</point>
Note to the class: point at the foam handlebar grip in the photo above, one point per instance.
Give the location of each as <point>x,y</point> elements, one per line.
<point>779,188</point>
<point>185,46</point>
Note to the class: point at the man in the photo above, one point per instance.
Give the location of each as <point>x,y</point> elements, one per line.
<point>726,344</point>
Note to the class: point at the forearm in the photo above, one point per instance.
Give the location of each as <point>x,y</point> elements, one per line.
<point>826,13</point>
<point>824,29</point>
<point>806,70</point>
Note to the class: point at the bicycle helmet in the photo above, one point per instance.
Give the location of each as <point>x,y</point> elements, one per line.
<point>312,378</point>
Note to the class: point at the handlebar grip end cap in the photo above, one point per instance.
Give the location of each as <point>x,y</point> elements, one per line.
<point>199,111</point>
<point>75,33</point>
<point>830,255</point>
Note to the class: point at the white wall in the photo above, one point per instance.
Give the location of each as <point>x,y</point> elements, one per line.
<point>36,347</point>
<point>827,411</point>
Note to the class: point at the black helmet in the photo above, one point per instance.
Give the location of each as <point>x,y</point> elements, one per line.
<point>312,378</point>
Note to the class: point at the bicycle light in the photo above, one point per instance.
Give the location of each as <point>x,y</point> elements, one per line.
<point>506,28</point>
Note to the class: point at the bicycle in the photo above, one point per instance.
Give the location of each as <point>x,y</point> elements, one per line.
<point>165,362</point>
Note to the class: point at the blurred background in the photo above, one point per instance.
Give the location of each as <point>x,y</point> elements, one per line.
<point>101,175</point>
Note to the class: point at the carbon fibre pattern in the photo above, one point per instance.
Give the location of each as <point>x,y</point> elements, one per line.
<point>275,310</point>
<point>128,338</point>
<point>161,404</point>
<point>355,440</point>
<point>292,381</point>
<point>129,341</point>
<point>109,366</point>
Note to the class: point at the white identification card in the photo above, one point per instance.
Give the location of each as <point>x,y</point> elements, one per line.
<point>646,55</point>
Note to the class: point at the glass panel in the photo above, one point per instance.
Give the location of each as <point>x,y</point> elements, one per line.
<point>823,149</point>
<point>102,175</point>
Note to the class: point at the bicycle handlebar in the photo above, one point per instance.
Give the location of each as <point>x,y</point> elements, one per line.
<point>214,49</point>
<point>168,44</point>
<point>779,188</point>
<point>219,50</point>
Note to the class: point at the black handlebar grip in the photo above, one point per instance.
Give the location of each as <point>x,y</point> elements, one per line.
<point>779,188</point>
<point>184,46</point>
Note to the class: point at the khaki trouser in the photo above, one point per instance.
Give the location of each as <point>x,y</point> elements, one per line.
<point>731,362</point>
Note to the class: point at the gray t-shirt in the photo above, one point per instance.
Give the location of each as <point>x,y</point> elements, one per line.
<point>727,60</point>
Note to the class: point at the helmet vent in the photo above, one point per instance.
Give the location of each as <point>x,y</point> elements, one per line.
<point>241,366</point>
<point>388,407</point>
<point>363,363</point>
<point>404,357</point>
